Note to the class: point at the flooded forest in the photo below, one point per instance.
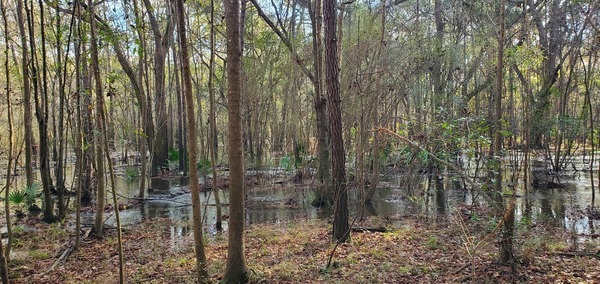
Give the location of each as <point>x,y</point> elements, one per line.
<point>300,141</point>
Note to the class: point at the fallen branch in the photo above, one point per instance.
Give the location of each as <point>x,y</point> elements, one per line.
<point>63,256</point>
<point>462,268</point>
<point>578,254</point>
<point>369,230</point>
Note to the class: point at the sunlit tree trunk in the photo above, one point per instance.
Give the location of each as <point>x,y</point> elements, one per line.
<point>192,144</point>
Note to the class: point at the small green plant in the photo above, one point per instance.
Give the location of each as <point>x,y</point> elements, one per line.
<point>203,165</point>
<point>173,154</point>
<point>286,163</point>
<point>130,174</point>
<point>432,243</point>
<point>31,193</point>
<point>17,198</point>
<point>24,197</point>
<point>556,246</point>
<point>39,254</point>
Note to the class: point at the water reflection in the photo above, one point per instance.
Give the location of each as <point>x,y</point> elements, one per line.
<point>397,196</point>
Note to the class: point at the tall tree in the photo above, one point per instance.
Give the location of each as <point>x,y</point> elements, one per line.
<point>61,140</point>
<point>323,193</point>
<point>213,140</point>
<point>26,95</point>
<point>162,41</point>
<point>341,228</point>
<point>552,33</point>
<point>506,242</point>
<point>79,136</point>
<point>323,196</point>
<point>99,141</point>
<point>5,253</point>
<point>40,86</point>
<point>192,144</point>
<point>236,271</point>
<point>144,143</point>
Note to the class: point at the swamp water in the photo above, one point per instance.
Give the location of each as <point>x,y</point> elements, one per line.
<point>277,199</point>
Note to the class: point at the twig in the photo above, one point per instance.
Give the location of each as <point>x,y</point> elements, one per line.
<point>60,259</point>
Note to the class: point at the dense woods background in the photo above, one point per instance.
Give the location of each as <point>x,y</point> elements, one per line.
<point>336,90</point>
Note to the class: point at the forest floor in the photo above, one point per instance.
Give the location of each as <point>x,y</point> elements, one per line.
<point>417,249</point>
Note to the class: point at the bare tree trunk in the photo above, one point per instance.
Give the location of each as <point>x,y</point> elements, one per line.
<point>62,74</point>
<point>193,181</point>
<point>26,96</point>
<point>341,230</point>
<point>162,40</point>
<point>213,142</point>
<point>79,143</point>
<point>5,253</point>
<point>236,271</point>
<point>144,141</point>
<point>506,241</point>
<point>324,194</point>
<point>180,118</point>
<point>99,141</point>
<point>113,185</point>
<point>41,110</point>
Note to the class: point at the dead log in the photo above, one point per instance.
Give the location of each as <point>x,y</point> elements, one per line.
<point>369,230</point>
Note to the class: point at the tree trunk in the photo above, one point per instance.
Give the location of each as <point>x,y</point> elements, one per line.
<point>144,142</point>
<point>99,141</point>
<point>26,96</point>
<point>191,124</point>
<point>79,143</point>
<point>506,241</point>
<point>213,141</point>
<point>323,194</point>
<point>236,271</point>
<point>41,111</point>
<point>62,74</point>
<point>162,41</point>
<point>341,230</point>
<point>5,253</point>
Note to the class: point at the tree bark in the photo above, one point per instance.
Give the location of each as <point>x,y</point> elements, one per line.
<point>26,96</point>
<point>506,241</point>
<point>213,141</point>
<point>41,110</point>
<point>99,141</point>
<point>162,40</point>
<point>5,253</point>
<point>324,194</point>
<point>236,271</point>
<point>193,181</point>
<point>341,230</point>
